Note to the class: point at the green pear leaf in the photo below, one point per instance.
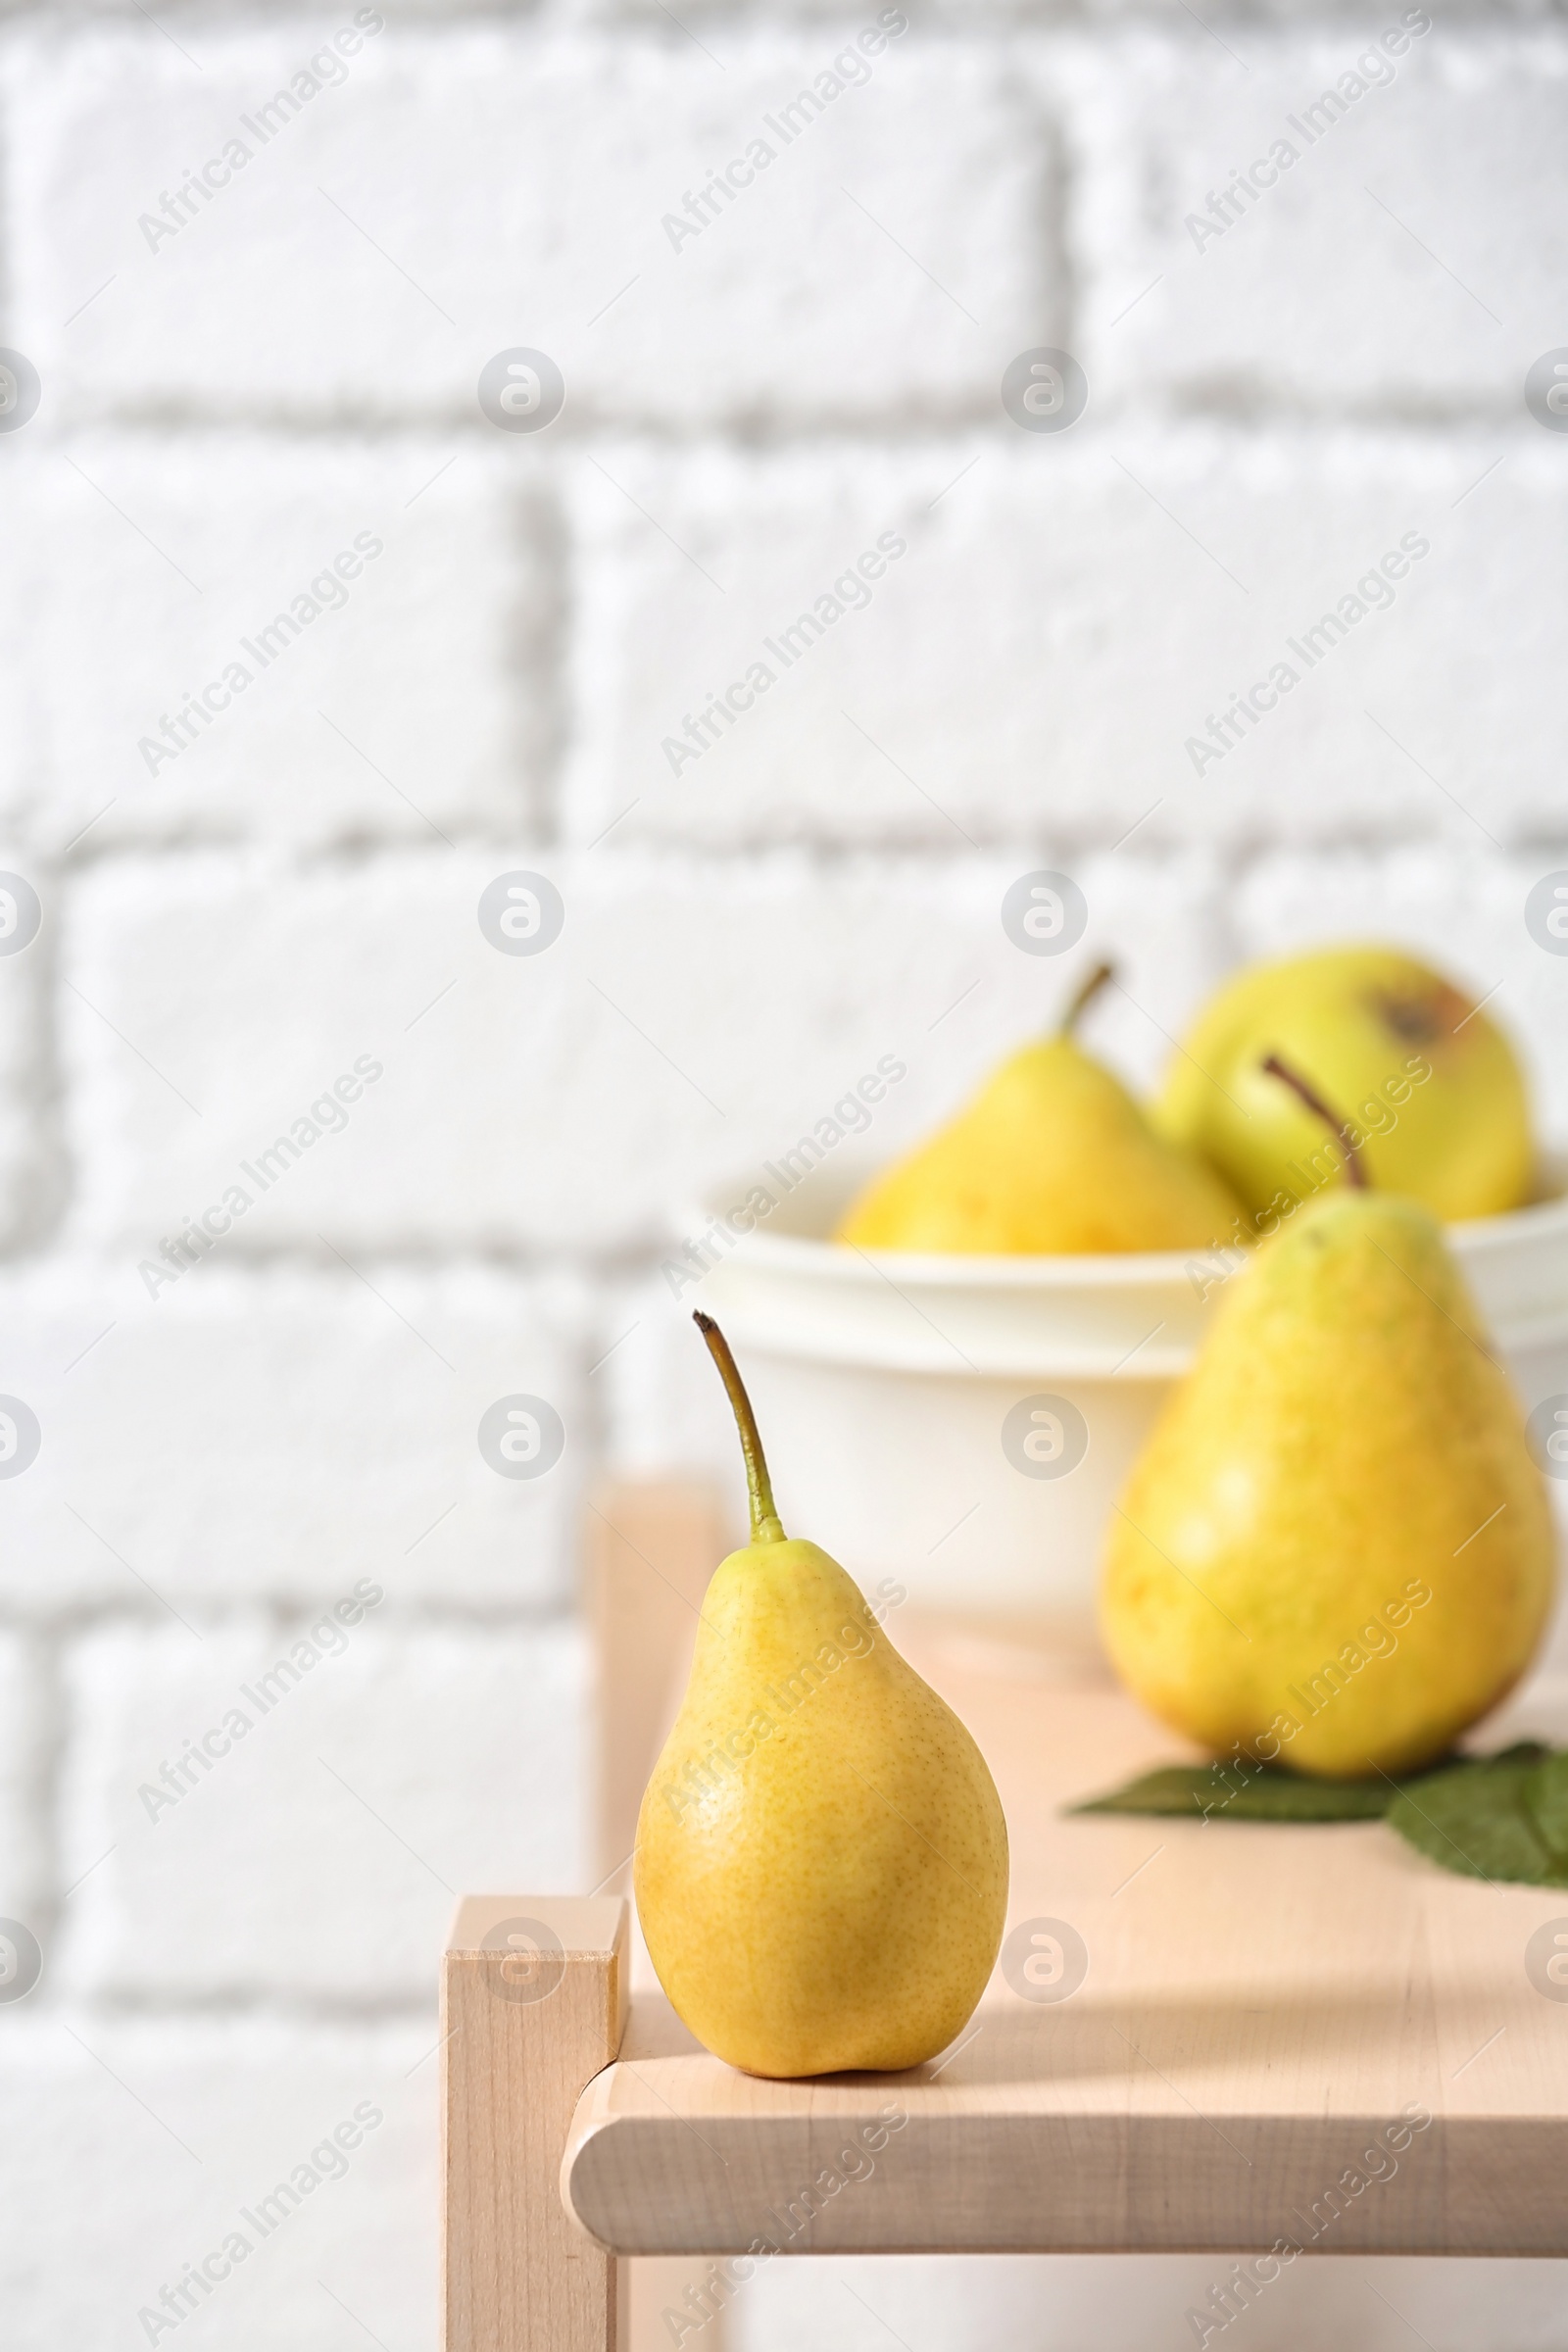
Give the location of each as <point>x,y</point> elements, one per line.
<point>1243,1793</point>
<point>1490,1817</point>
<point>1478,1819</point>
<point>1547,1799</point>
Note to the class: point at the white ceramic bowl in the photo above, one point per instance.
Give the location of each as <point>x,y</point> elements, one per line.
<point>885,1381</point>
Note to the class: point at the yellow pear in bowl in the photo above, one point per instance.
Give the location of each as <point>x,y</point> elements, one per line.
<point>1335,1550</point>
<point>1053,1156</point>
<point>1431,1086</point>
<point>821,1866</point>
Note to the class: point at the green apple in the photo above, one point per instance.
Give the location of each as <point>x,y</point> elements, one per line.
<point>1432,1085</point>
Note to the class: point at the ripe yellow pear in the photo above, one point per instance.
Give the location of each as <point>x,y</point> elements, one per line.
<point>821,1864</point>
<point>1052,1155</point>
<point>1436,1096</point>
<point>1335,1550</point>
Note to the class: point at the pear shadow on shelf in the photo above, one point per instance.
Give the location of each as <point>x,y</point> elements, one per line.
<point>1009,2042</point>
<point>654,2031</point>
<point>1172,2033</point>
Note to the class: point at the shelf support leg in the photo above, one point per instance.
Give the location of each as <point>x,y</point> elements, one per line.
<point>533,2004</point>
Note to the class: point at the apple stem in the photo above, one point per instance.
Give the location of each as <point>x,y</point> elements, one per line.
<point>1355,1175</point>
<point>1088,990</point>
<point>767,1527</point>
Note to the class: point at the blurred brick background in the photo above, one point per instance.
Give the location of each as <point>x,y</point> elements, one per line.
<point>230,404</point>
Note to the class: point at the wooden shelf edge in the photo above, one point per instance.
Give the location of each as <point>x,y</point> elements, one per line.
<point>981,2179</point>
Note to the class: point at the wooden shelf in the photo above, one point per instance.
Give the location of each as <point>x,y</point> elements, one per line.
<point>1260,2005</point>
<point>1266,2017</point>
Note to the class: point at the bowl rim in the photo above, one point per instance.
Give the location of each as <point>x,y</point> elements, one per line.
<point>803,1254</point>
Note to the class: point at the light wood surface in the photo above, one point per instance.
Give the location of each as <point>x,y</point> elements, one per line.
<point>650,1551</point>
<point>533,2004</point>
<point>1262,2005</point>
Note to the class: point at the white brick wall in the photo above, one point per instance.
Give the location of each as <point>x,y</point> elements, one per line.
<point>570,1100</point>
<point>335,725</point>
<point>279,1433</point>
<point>1067,614</point>
<point>346,1806</point>
<point>1407,256</point>
<point>25,1737</point>
<point>136,2145</point>
<point>29,1165</point>
<point>270,295</point>
<point>226,931</point>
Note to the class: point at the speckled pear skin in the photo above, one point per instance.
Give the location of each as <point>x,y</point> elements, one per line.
<point>1052,1155</point>
<point>1341,1444</point>
<point>821,1866</point>
<point>1430,1079</point>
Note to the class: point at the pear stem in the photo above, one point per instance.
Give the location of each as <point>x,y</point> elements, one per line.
<point>1355,1175</point>
<point>767,1527</point>
<point>1088,990</point>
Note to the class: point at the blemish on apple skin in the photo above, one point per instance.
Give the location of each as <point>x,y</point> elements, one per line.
<point>1421,1020</point>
